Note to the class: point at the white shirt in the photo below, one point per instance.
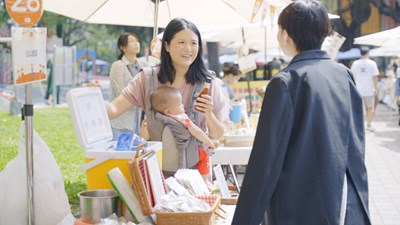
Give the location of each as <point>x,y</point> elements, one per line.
<point>364,70</point>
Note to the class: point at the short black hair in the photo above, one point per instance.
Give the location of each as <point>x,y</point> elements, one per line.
<point>231,68</point>
<point>306,22</point>
<point>364,50</point>
<point>197,72</point>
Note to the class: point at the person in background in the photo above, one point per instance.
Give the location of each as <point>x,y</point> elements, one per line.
<point>121,73</point>
<point>50,71</point>
<point>366,75</point>
<point>283,63</point>
<point>49,89</point>
<point>168,101</point>
<point>181,67</point>
<point>397,94</point>
<point>307,162</point>
<point>231,76</point>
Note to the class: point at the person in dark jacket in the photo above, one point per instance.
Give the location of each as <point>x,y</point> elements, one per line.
<point>307,163</point>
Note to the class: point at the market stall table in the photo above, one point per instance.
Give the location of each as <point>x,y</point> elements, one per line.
<point>231,155</point>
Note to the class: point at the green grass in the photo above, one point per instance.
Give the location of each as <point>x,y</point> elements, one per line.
<point>54,126</point>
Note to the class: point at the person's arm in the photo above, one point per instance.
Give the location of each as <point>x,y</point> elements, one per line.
<point>375,74</point>
<point>375,81</point>
<point>132,96</point>
<point>118,106</point>
<point>199,134</point>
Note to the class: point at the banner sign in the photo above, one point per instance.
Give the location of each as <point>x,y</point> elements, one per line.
<point>29,54</point>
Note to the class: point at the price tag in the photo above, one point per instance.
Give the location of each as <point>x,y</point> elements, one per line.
<point>26,13</point>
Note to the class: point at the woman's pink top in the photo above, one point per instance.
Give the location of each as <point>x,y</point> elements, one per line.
<point>136,94</point>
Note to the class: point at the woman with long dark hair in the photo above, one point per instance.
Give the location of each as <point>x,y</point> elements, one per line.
<point>181,67</point>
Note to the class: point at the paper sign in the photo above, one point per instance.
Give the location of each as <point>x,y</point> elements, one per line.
<point>29,54</point>
<point>221,181</point>
<point>247,64</point>
<point>26,13</point>
<point>332,44</point>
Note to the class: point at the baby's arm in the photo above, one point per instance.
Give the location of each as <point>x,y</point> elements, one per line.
<point>199,134</point>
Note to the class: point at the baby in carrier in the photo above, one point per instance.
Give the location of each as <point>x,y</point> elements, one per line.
<point>168,101</point>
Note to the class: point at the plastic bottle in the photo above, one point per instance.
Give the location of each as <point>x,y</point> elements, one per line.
<point>205,87</point>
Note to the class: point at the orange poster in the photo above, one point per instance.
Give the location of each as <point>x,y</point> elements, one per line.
<point>29,54</point>
<point>26,13</point>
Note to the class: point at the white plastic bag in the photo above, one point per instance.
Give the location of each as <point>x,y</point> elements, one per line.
<point>51,204</point>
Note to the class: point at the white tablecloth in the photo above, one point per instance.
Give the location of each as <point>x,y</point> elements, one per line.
<point>233,155</point>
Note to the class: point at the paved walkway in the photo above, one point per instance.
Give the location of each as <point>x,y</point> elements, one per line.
<point>383,164</point>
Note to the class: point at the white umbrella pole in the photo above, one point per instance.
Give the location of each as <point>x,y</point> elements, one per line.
<point>28,117</point>
<point>265,49</point>
<point>247,75</point>
<point>155,29</point>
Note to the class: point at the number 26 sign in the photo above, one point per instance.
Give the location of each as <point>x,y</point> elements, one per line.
<point>26,13</point>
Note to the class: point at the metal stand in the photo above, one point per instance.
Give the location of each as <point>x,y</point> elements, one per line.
<point>27,115</point>
<point>155,29</point>
<point>249,90</point>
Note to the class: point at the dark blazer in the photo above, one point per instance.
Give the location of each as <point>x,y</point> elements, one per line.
<point>310,133</point>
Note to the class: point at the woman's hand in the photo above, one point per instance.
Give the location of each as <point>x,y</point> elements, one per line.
<point>204,104</point>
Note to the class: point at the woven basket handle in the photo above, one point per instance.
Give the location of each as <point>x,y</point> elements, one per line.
<point>221,212</point>
<point>140,147</point>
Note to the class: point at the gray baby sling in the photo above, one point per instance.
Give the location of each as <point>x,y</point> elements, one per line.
<point>180,148</point>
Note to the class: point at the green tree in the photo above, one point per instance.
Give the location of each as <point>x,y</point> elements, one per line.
<point>3,13</point>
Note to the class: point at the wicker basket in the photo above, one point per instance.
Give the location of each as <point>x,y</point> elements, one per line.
<point>243,140</point>
<point>192,218</point>
<point>137,181</point>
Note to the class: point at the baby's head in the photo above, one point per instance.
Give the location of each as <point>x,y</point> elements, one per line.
<point>167,100</point>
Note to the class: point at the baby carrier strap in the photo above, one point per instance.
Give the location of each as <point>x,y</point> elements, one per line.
<point>193,115</point>
<point>179,143</point>
<point>151,83</point>
<point>191,102</point>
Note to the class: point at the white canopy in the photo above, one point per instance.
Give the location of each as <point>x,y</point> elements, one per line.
<point>388,38</point>
<point>141,12</point>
